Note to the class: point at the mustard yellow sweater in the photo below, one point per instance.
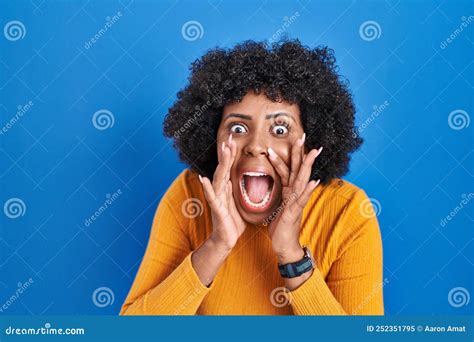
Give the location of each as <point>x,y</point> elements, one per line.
<point>338,227</point>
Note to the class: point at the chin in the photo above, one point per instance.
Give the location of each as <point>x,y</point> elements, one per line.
<point>257,219</point>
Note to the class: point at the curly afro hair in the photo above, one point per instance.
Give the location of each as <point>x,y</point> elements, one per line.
<point>286,70</point>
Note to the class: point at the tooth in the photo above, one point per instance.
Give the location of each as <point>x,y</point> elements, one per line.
<point>255,174</point>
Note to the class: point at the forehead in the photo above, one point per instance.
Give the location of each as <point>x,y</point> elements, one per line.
<point>260,105</point>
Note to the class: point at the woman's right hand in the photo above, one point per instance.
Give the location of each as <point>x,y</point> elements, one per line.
<point>227,223</point>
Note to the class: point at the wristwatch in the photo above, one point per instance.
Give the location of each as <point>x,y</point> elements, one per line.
<point>295,269</point>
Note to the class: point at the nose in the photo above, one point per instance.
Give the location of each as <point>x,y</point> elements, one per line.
<point>255,147</point>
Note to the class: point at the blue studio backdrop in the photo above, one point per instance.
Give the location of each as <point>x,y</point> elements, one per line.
<point>84,88</point>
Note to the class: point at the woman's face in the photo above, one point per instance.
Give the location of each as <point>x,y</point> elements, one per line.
<point>256,124</point>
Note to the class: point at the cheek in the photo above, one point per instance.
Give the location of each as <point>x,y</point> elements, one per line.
<point>284,151</point>
<point>240,149</point>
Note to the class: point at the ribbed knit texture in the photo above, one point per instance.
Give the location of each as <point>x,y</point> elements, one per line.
<point>337,226</point>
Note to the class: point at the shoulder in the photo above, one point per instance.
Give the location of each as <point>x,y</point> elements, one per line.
<point>355,205</point>
<point>186,186</point>
<point>184,200</point>
<point>337,204</point>
<point>341,191</point>
<point>183,196</point>
<point>337,214</point>
<point>342,188</point>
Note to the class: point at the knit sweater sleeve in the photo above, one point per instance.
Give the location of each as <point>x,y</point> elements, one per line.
<point>353,285</point>
<point>166,283</point>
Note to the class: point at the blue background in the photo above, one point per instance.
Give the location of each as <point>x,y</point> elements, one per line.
<point>54,159</point>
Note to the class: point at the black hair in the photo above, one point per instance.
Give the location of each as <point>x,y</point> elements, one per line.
<point>286,70</point>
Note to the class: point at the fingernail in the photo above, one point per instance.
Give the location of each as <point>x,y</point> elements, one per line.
<point>300,141</point>
<point>316,183</point>
<point>230,139</point>
<point>319,151</point>
<point>200,178</point>
<point>223,146</point>
<point>272,154</point>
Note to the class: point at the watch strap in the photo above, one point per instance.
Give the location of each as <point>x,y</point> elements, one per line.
<point>295,269</point>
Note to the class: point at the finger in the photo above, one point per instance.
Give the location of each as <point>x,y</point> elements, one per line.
<point>233,149</point>
<point>222,174</point>
<point>219,153</point>
<point>305,196</point>
<point>219,149</point>
<point>280,166</point>
<point>209,194</point>
<point>233,210</point>
<point>228,191</point>
<point>305,170</point>
<point>296,158</point>
<point>232,146</point>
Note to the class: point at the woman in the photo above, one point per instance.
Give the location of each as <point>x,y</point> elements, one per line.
<point>261,223</point>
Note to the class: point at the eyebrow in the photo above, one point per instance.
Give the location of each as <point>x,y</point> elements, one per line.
<point>267,117</point>
<point>237,115</point>
<point>274,116</point>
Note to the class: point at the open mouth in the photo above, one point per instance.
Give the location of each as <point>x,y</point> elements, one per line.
<point>256,189</point>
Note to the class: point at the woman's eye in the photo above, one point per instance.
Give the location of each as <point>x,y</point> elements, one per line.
<point>280,130</point>
<point>238,129</point>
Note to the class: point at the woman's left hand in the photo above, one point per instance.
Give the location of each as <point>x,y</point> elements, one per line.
<point>285,228</point>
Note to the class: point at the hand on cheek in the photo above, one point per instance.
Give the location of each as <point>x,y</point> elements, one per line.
<point>297,189</point>
<point>280,158</point>
<point>227,224</point>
